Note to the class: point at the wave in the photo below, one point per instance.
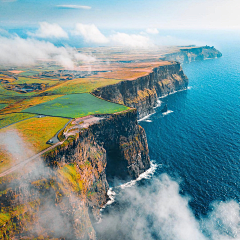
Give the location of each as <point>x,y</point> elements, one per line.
<point>181,90</point>
<point>146,117</point>
<point>146,175</point>
<point>158,103</point>
<point>168,112</point>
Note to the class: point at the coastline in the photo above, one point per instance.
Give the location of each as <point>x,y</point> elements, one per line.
<point>119,135</point>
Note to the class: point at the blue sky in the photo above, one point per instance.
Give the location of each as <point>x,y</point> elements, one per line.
<point>161,14</point>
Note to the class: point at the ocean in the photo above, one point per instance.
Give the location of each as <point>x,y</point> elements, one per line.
<point>192,190</point>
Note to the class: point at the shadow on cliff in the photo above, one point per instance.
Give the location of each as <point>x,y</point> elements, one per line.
<point>35,202</point>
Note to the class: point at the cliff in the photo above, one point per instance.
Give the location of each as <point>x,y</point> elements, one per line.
<point>187,55</point>
<point>60,196</point>
<point>143,92</point>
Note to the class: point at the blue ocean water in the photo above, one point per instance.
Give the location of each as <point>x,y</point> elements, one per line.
<point>194,192</point>
<point>199,142</point>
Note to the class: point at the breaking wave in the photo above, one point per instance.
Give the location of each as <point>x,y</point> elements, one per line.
<point>168,112</point>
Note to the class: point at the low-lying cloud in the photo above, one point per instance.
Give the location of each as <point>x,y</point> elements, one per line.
<point>48,30</point>
<point>90,33</point>
<point>69,6</point>
<point>158,211</point>
<point>130,40</point>
<point>16,51</point>
<point>49,217</point>
<point>152,30</point>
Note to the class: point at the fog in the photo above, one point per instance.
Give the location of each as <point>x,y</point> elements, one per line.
<point>158,211</point>
<point>16,51</point>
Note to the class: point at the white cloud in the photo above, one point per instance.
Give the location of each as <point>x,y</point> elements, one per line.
<point>74,6</point>
<point>16,51</point>
<point>159,211</point>
<point>131,40</point>
<point>90,33</point>
<point>152,30</point>
<point>48,30</point>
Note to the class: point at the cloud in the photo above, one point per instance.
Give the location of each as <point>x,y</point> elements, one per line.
<point>156,210</point>
<point>74,6</point>
<point>48,30</point>
<point>90,33</point>
<point>131,40</point>
<point>16,51</point>
<point>152,30</point>
<point>49,214</point>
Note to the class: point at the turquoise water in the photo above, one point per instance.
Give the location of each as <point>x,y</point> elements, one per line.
<point>199,141</point>
<point>194,192</point>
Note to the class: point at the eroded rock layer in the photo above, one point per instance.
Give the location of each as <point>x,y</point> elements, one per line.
<point>142,93</point>
<point>61,195</point>
<point>187,55</point>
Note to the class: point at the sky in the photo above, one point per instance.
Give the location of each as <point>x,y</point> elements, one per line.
<point>31,30</point>
<point>115,14</point>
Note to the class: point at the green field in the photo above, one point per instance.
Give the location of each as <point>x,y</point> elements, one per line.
<point>81,85</point>
<point>3,105</point>
<point>27,80</point>
<point>8,119</point>
<point>75,106</point>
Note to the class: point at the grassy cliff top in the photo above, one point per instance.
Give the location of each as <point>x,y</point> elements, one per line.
<point>47,89</point>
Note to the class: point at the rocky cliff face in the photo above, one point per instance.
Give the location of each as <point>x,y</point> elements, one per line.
<point>60,196</point>
<point>143,92</point>
<point>193,54</point>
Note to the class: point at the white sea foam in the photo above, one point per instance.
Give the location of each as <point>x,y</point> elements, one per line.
<point>148,120</point>
<point>111,195</point>
<point>168,112</point>
<point>158,103</point>
<point>181,90</point>
<point>146,117</point>
<point>146,175</point>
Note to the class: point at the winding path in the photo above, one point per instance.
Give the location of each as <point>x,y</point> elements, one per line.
<point>22,164</point>
<point>83,122</point>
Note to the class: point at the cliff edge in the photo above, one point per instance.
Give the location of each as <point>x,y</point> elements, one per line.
<point>187,55</point>
<point>60,195</point>
<point>143,92</point>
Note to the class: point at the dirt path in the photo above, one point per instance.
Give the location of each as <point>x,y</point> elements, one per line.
<point>20,165</point>
<point>79,123</point>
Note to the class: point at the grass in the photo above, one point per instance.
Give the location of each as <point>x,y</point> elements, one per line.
<point>123,74</point>
<point>72,176</point>
<point>11,93</point>
<point>29,102</point>
<point>37,131</point>
<point>33,133</point>
<point>3,105</point>
<point>8,119</point>
<point>27,80</point>
<point>28,73</point>
<point>81,85</point>
<point>75,106</point>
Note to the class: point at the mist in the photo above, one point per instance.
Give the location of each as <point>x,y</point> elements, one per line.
<point>157,211</point>
<point>48,209</point>
<point>17,51</point>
